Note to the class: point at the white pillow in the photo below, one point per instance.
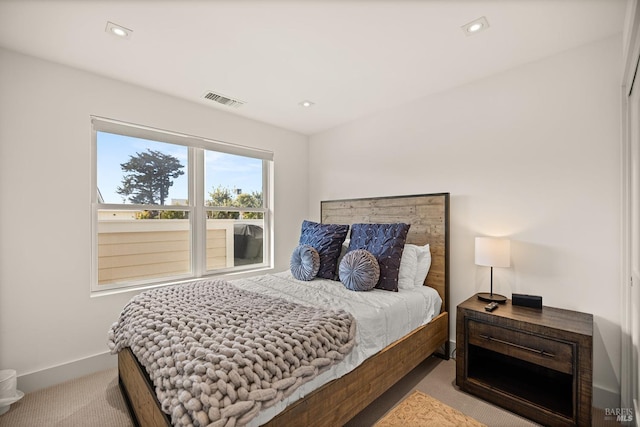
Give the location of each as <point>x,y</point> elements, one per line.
<point>424,263</point>
<point>343,252</point>
<point>408,267</point>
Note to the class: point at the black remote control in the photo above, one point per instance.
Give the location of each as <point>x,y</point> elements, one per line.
<point>491,306</point>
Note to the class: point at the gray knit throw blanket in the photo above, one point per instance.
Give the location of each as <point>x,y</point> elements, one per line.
<point>218,354</point>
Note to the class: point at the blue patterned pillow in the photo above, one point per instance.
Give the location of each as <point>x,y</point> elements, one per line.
<point>327,240</point>
<point>385,242</point>
<point>359,270</point>
<point>305,262</point>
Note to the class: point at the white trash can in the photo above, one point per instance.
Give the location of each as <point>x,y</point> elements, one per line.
<point>8,392</point>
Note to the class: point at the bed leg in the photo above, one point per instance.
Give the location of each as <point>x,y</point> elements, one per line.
<point>445,351</point>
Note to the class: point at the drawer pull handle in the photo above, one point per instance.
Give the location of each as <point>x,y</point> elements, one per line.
<point>522,347</point>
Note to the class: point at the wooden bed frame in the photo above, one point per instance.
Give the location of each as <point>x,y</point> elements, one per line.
<point>338,401</point>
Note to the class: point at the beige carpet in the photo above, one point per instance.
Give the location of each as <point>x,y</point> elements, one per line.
<point>437,377</point>
<point>91,401</point>
<point>422,410</point>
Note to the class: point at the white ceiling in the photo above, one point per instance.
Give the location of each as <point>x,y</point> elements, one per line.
<point>351,58</point>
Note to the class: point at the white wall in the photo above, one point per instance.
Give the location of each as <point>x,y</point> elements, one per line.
<point>532,154</point>
<point>47,317</point>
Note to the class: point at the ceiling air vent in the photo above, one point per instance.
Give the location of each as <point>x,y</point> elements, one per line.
<point>224,100</point>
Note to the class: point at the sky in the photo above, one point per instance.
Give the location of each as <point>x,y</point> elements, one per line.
<point>233,172</point>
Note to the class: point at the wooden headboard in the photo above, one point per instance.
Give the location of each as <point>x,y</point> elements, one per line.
<point>428,215</point>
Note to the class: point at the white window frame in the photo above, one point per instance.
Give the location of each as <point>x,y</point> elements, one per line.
<point>196,206</point>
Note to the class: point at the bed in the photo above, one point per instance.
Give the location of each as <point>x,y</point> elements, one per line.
<point>338,400</point>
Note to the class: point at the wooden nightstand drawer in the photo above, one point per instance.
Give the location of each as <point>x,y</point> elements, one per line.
<point>531,348</point>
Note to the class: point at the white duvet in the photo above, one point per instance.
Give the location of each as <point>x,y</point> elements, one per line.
<point>382,317</point>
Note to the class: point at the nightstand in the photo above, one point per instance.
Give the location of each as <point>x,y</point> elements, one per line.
<point>535,362</point>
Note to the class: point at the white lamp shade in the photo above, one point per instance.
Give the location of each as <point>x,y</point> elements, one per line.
<point>493,252</point>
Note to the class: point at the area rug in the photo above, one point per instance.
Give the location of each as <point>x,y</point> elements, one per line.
<point>420,410</point>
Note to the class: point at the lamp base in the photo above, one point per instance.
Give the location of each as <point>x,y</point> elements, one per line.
<point>486,296</point>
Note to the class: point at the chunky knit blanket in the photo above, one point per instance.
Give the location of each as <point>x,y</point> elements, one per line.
<point>218,354</point>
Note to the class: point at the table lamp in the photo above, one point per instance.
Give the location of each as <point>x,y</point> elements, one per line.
<point>492,252</point>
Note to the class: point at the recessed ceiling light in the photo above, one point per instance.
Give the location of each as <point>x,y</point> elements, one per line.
<point>475,26</point>
<point>118,30</point>
<point>306,104</point>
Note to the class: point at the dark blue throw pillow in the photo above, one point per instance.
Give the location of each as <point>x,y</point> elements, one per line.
<point>386,243</point>
<point>327,240</point>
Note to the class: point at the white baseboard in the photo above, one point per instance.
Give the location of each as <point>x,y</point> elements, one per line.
<point>604,398</point>
<point>58,374</point>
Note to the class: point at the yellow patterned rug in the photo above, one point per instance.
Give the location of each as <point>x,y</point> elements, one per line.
<point>421,410</point>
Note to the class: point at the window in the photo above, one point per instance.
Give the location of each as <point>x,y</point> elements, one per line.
<point>169,207</point>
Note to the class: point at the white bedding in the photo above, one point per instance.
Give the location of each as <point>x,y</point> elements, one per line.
<point>382,317</point>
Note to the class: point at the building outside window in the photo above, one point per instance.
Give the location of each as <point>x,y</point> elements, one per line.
<point>169,207</point>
